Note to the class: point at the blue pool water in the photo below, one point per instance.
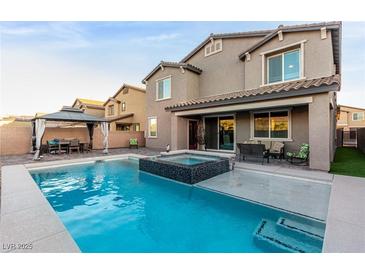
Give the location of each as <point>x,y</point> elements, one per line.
<point>187,159</point>
<point>113,207</point>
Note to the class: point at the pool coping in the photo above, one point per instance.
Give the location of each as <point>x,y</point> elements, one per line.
<point>28,223</point>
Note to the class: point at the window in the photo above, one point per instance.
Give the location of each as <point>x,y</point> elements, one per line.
<point>123,127</point>
<point>213,47</point>
<point>137,127</point>
<point>357,116</point>
<point>152,127</point>
<point>111,110</point>
<point>123,106</point>
<point>271,125</point>
<point>163,89</point>
<point>283,67</point>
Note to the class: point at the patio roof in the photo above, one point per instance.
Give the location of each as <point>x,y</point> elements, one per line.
<point>283,90</point>
<point>69,114</point>
<point>119,117</point>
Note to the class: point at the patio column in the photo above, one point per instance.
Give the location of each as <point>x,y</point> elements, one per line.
<point>319,132</point>
<point>40,126</point>
<point>32,142</point>
<point>90,128</point>
<point>178,133</point>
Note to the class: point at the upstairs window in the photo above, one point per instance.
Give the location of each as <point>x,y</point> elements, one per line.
<point>123,106</point>
<point>163,87</point>
<point>111,110</point>
<point>213,47</point>
<point>283,67</point>
<point>357,116</point>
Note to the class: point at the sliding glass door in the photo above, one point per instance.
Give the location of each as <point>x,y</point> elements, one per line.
<point>220,132</point>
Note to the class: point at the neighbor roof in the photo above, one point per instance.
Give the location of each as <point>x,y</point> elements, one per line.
<point>172,65</point>
<point>89,102</point>
<point>70,114</point>
<point>344,106</point>
<point>121,89</point>
<point>294,88</point>
<point>335,27</point>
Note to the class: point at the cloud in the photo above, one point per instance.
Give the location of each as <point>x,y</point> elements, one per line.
<point>157,38</point>
<point>52,34</point>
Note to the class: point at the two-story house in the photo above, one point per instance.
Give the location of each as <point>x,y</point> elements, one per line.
<point>276,84</point>
<point>125,111</point>
<point>92,107</point>
<point>350,117</point>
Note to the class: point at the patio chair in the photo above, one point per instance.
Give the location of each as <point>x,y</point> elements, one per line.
<point>253,150</point>
<point>52,146</point>
<point>133,142</point>
<point>277,150</point>
<point>74,145</point>
<point>300,157</point>
<point>86,147</point>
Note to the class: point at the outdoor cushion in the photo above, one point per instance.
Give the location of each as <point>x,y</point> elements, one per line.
<point>267,144</point>
<point>133,141</point>
<point>302,154</point>
<point>276,147</point>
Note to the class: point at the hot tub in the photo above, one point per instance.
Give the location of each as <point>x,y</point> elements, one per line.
<point>185,167</point>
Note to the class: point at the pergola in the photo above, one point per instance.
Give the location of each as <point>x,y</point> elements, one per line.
<point>68,114</point>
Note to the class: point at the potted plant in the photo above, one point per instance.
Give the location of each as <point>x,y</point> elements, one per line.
<point>202,138</point>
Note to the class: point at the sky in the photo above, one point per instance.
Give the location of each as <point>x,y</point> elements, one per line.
<point>45,65</point>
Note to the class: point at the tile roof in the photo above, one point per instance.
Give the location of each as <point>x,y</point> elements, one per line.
<point>90,102</point>
<point>269,89</point>
<point>173,65</point>
<point>119,117</point>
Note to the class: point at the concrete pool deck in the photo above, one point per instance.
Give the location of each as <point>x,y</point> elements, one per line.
<point>27,217</point>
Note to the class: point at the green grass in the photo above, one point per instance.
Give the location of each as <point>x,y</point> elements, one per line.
<point>349,161</point>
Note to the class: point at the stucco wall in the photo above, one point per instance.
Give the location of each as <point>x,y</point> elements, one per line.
<point>183,86</point>
<point>135,103</point>
<point>346,118</point>
<point>318,56</point>
<point>319,132</point>
<point>223,72</point>
<point>299,117</point>
<point>17,140</point>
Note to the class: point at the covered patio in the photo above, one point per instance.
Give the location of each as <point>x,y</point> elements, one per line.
<point>71,116</point>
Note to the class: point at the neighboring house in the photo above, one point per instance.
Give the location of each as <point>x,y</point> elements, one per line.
<point>263,85</point>
<point>92,107</point>
<point>125,111</point>
<point>350,117</point>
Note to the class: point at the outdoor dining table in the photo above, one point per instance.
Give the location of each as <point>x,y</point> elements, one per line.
<point>63,143</point>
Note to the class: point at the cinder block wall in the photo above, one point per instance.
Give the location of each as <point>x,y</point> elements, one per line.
<point>17,140</point>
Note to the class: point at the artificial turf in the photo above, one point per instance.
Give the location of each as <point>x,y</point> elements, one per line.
<point>349,161</point>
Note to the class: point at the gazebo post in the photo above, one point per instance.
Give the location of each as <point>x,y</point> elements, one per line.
<point>90,128</point>
<point>32,143</point>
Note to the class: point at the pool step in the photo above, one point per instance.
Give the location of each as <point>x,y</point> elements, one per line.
<point>308,229</point>
<point>269,235</point>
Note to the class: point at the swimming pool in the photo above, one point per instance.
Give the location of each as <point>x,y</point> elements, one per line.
<point>111,206</point>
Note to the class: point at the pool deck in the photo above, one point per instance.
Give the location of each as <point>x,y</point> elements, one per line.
<point>307,195</point>
<point>27,217</point>
<point>345,229</point>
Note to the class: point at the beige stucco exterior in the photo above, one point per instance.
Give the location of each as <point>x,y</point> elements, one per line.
<point>95,110</point>
<point>318,56</point>
<point>345,117</point>
<point>134,99</point>
<point>312,120</point>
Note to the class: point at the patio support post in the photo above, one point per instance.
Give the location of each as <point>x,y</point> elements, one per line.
<point>90,128</point>
<point>319,132</point>
<point>32,142</point>
<point>179,129</point>
<point>40,126</point>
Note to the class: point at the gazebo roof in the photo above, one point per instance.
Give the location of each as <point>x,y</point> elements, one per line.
<point>69,114</point>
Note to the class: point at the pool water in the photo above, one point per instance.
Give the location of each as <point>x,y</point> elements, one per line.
<point>187,159</point>
<point>113,207</point>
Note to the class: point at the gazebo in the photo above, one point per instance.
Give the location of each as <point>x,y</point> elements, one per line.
<point>68,114</point>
